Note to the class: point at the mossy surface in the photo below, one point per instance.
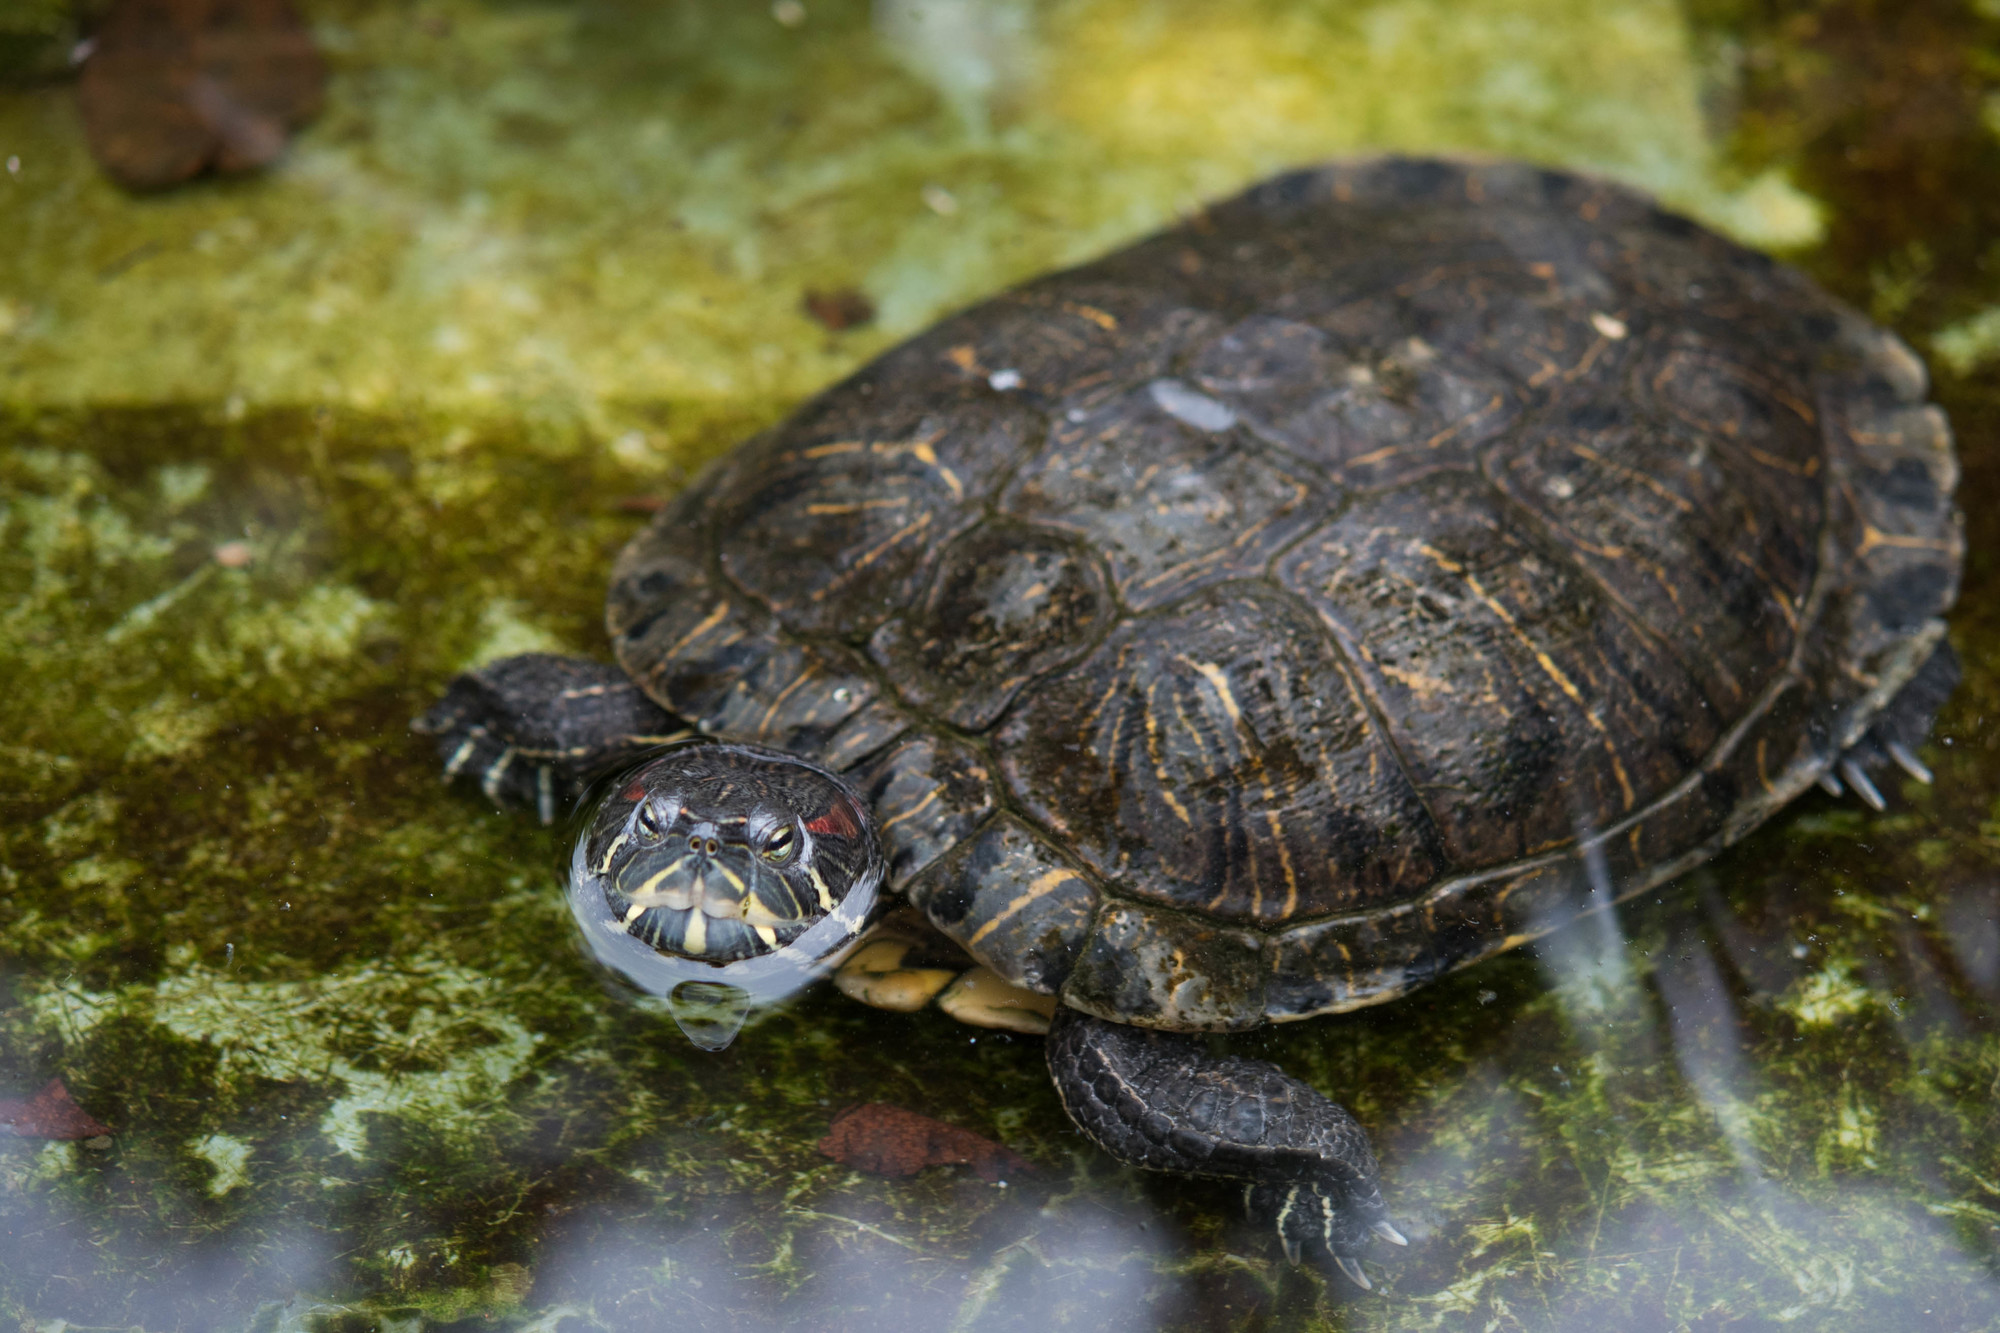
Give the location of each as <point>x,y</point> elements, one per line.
<point>537,259</point>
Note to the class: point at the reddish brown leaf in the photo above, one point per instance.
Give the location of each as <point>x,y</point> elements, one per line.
<point>887,1140</point>
<point>175,87</point>
<point>639,504</point>
<point>842,309</point>
<point>49,1114</point>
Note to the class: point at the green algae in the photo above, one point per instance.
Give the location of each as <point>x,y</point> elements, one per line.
<point>540,258</point>
<point>565,209</point>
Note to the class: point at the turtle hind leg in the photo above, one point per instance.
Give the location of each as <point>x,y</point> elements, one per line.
<point>532,730</point>
<point>1160,1100</point>
<point>1896,733</point>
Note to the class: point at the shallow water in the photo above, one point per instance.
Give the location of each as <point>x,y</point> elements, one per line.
<point>538,259</point>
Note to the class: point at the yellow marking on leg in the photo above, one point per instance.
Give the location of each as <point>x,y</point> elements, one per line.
<point>459,756</point>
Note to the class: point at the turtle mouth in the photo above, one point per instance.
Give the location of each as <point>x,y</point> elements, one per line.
<point>708,900</point>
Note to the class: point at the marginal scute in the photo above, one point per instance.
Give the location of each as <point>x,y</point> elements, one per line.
<point>1217,757</point>
<point>1012,901</point>
<point>928,794</point>
<point>1008,603</point>
<point>1157,967</point>
<point>719,661</point>
<point>867,730</point>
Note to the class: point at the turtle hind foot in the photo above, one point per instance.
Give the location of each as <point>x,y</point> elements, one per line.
<point>532,730</point>
<point>1164,1101</point>
<point>1893,738</point>
<point>1314,1221</point>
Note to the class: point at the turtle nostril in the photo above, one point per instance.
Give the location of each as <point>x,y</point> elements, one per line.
<point>713,847</point>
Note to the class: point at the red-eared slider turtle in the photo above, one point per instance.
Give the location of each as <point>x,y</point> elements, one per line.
<point>1257,623</point>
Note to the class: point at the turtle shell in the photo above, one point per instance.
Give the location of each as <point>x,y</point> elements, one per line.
<point>1327,592</point>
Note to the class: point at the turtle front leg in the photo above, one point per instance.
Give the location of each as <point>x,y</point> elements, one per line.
<point>906,964</point>
<point>534,729</point>
<point>1160,1100</point>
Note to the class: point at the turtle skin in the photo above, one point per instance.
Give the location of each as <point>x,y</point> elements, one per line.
<point>1317,597</point>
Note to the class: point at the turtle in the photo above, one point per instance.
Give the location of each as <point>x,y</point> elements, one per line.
<point>1370,573</point>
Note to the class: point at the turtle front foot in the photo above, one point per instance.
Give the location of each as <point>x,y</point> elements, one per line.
<point>906,965</point>
<point>533,729</point>
<point>1162,1101</point>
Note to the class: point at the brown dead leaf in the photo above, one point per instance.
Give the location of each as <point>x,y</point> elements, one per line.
<point>49,1114</point>
<point>176,87</point>
<point>844,308</point>
<point>887,1140</point>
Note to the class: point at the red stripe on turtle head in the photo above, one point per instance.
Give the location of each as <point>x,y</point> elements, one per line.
<point>838,820</point>
<point>634,793</point>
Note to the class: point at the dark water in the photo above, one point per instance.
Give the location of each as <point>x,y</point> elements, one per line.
<point>356,1074</point>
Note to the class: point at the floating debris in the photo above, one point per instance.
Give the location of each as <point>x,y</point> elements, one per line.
<point>844,308</point>
<point>172,88</point>
<point>887,1140</point>
<point>233,555</point>
<point>50,1114</point>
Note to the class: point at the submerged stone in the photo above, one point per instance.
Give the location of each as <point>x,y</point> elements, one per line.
<point>172,88</point>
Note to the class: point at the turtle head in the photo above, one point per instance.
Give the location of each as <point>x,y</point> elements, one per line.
<point>722,876</point>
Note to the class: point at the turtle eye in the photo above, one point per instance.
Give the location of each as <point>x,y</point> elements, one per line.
<point>778,848</point>
<point>648,823</point>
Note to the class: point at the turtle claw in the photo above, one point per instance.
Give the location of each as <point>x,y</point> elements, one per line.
<point>1294,1251</point>
<point>1909,763</point>
<point>1389,1233</point>
<point>1352,1267</point>
<point>1857,778</point>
